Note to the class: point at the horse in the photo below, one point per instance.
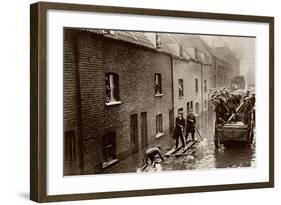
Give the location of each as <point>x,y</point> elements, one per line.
<point>221,110</point>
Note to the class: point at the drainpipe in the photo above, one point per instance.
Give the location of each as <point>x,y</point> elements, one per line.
<point>78,102</point>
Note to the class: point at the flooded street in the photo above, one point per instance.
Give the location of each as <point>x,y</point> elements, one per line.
<point>203,156</point>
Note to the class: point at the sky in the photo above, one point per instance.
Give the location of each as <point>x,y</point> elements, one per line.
<point>243,47</point>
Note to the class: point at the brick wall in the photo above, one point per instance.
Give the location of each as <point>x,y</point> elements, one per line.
<point>136,67</point>
<point>70,113</point>
<point>188,71</point>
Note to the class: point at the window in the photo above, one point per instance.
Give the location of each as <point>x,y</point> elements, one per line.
<point>112,87</point>
<point>180,83</point>
<point>109,146</point>
<point>159,127</point>
<point>196,85</point>
<point>158,84</point>
<point>187,106</point>
<point>205,104</point>
<point>197,108</point>
<point>70,146</point>
<point>191,104</point>
<point>205,86</point>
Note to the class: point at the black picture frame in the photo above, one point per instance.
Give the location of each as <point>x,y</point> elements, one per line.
<point>38,102</point>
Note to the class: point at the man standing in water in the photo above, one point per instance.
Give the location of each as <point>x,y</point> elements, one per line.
<point>190,124</point>
<point>179,129</point>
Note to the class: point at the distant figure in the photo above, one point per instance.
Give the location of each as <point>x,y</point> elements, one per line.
<point>190,124</point>
<point>150,154</point>
<point>179,129</point>
<point>248,106</point>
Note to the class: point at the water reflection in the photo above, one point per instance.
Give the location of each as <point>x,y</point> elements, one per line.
<point>205,156</point>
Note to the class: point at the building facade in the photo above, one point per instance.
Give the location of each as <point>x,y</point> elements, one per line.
<point>117,98</point>
<point>191,73</point>
<point>123,91</point>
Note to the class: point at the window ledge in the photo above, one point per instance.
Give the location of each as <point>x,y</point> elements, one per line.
<point>107,164</point>
<point>159,135</point>
<point>181,97</point>
<point>113,103</point>
<point>158,95</point>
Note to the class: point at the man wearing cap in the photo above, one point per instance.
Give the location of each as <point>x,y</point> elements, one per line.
<point>190,124</point>
<point>150,154</point>
<point>179,129</point>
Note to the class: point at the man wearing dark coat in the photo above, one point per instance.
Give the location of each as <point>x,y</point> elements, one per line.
<point>190,124</point>
<point>179,129</point>
<point>248,106</point>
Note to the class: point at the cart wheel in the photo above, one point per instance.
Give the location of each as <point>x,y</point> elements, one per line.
<point>251,136</point>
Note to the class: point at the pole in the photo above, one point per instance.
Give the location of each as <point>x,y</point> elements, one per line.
<point>199,134</point>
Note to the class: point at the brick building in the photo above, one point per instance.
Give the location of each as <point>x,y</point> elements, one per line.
<point>191,72</point>
<point>117,97</point>
<point>123,90</point>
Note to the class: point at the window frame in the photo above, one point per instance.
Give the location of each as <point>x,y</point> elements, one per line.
<point>197,108</point>
<point>106,144</point>
<point>205,86</point>
<point>196,81</point>
<point>159,79</point>
<point>180,95</point>
<point>159,121</point>
<point>113,97</point>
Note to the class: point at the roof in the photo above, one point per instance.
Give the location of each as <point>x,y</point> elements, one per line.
<point>137,38</point>
<point>192,47</point>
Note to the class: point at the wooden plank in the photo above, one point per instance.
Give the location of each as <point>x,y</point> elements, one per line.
<point>235,112</point>
<point>172,151</point>
<point>188,150</point>
<point>188,146</point>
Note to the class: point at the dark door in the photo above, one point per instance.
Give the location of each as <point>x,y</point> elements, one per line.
<point>134,133</point>
<point>109,146</point>
<point>69,146</point>
<point>171,121</point>
<point>143,130</point>
<point>187,106</point>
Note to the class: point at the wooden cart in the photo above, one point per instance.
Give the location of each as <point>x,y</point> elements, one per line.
<point>235,131</point>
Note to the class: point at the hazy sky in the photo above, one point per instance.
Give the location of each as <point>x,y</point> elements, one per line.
<point>244,48</point>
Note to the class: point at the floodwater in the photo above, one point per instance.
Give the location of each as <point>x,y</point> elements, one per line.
<point>202,157</point>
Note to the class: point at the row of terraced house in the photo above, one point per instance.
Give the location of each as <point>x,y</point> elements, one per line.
<point>123,90</point>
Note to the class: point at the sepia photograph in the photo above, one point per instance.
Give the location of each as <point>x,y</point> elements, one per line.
<point>137,101</point>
